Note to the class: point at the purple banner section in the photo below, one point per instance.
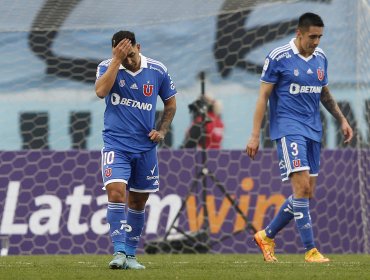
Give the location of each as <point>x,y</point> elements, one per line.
<point>53,203</point>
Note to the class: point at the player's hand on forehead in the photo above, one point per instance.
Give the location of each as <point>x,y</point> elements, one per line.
<point>122,49</point>
<point>124,42</point>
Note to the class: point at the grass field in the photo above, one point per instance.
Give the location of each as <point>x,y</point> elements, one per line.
<point>215,266</point>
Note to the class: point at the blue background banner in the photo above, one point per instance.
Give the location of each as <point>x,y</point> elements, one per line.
<point>49,57</point>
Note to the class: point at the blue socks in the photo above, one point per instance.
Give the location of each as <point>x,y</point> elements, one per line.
<point>116,217</point>
<point>125,234</point>
<point>301,208</point>
<point>284,216</point>
<point>135,225</point>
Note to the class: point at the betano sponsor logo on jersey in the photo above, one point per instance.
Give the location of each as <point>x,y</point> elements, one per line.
<point>296,88</point>
<point>117,100</point>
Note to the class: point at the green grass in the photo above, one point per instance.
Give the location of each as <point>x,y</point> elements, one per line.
<point>215,266</point>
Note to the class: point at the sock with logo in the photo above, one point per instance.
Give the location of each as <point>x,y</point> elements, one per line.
<point>135,225</point>
<point>301,209</point>
<point>283,217</point>
<point>116,216</point>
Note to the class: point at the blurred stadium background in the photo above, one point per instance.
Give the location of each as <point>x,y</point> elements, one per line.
<point>51,200</point>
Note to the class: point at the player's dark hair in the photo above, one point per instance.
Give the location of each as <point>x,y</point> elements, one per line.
<point>310,19</point>
<point>120,35</point>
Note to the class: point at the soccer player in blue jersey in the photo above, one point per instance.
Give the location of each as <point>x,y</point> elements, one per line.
<point>130,84</point>
<point>294,81</point>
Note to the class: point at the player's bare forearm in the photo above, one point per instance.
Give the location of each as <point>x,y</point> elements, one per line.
<point>253,142</point>
<point>168,115</point>
<point>165,122</point>
<point>258,116</point>
<point>331,105</point>
<point>104,84</point>
<point>264,94</point>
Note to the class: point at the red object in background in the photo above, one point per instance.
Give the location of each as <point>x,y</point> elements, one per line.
<point>210,130</point>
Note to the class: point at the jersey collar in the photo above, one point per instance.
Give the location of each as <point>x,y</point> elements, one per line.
<point>296,51</point>
<point>143,62</point>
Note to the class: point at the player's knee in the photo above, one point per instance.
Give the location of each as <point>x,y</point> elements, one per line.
<point>306,191</point>
<point>115,195</point>
<point>302,191</point>
<point>116,192</point>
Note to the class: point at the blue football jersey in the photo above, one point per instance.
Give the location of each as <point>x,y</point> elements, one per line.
<point>295,101</point>
<point>131,104</point>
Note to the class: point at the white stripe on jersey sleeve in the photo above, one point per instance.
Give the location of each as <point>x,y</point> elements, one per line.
<point>105,62</point>
<point>171,96</point>
<point>158,63</point>
<point>319,51</point>
<point>274,53</point>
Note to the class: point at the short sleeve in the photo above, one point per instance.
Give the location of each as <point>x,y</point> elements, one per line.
<point>168,88</point>
<point>101,69</point>
<point>326,78</point>
<point>269,71</point>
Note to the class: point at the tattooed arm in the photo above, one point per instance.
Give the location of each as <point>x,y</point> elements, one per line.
<point>332,107</point>
<point>167,117</point>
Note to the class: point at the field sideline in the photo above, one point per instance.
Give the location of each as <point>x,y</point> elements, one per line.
<point>208,266</point>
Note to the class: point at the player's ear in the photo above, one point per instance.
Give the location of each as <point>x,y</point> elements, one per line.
<point>299,32</point>
<point>138,47</point>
